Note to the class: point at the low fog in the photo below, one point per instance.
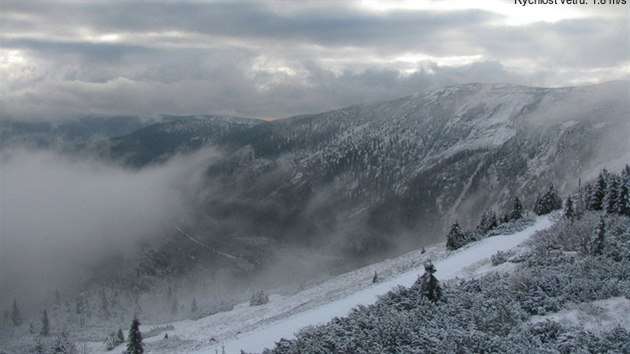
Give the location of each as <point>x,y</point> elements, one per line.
<point>62,215</point>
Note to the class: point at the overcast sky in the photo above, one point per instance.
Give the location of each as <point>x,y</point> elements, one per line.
<point>277,59</point>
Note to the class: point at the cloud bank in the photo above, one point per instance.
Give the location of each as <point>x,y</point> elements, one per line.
<point>276,59</point>
<point>60,216</point>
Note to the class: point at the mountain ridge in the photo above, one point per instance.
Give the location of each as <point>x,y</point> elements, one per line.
<point>408,167</point>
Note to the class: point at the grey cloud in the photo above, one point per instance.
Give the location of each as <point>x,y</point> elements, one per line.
<point>229,91</point>
<point>196,58</point>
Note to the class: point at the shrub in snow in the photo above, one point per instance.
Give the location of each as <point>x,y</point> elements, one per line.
<point>488,222</point>
<point>492,313</point>
<point>500,257</point>
<point>428,284</point>
<point>259,298</point>
<point>113,340</point>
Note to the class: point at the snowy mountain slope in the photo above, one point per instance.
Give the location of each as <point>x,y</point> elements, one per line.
<point>254,328</point>
<point>352,177</point>
<point>366,182</point>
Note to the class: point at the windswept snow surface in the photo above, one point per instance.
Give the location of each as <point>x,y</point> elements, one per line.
<point>447,269</point>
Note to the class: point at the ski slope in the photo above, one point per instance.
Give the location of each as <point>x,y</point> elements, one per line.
<point>447,269</point>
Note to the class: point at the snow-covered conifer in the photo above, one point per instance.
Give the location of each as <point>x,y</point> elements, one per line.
<point>45,330</point>
<point>597,244</point>
<point>259,298</point>
<point>16,315</point>
<point>120,335</point>
<point>429,285</point>
<point>517,210</point>
<point>569,209</point>
<point>455,238</point>
<point>488,222</point>
<point>598,192</point>
<point>623,194</point>
<point>134,343</point>
<point>609,203</point>
<point>548,202</point>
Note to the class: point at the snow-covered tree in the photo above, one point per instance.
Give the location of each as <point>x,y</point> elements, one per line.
<point>598,243</point>
<point>259,298</point>
<point>57,298</point>
<point>455,238</point>
<point>114,339</point>
<point>623,194</point>
<point>16,315</point>
<point>517,210</point>
<point>134,342</point>
<point>569,209</point>
<point>45,330</point>
<point>429,285</point>
<point>488,222</point>
<point>596,197</point>
<point>105,305</point>
<point>120,335</point>
<point>548,202</point>
<point>609,203</point>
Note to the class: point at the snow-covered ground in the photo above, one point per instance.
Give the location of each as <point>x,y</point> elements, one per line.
<point>253,328</point>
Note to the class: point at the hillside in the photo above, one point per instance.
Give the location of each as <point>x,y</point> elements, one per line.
<point>252,328</point>
<point>392,175</point>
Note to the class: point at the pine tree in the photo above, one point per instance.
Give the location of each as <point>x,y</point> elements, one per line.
<point>548,202</point>
<point>429,285</point>
<point>598,243</point>
<point>134,344</point>
<point>569,210</point>
<point>57,298</point>
<point>488,222</point>
<point>193,306</point>
<point>623,194</point>
<point>609,203</point>
<point>45,330</point>
<point>104,305</point>
<point>598,192</point>
<point>120,335</point>
<point>517,210</point>
<point>16,316</point>
<point>584,203</point>
<point>455,238</point>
